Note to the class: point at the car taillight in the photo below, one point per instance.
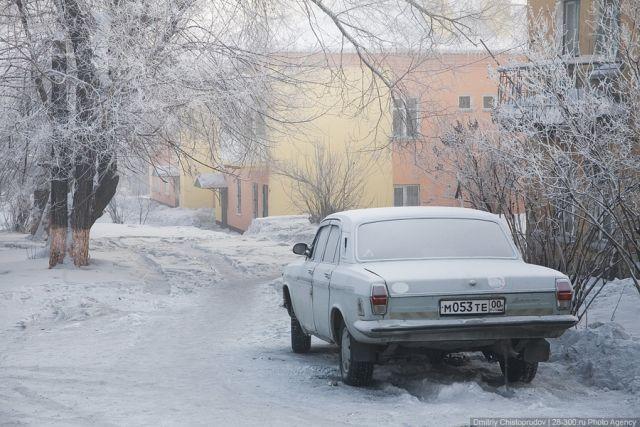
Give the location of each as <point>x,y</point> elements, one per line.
<point>379,299</point>
<point>564,294</point>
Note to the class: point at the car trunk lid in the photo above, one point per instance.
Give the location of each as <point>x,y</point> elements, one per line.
<point>417,286</point>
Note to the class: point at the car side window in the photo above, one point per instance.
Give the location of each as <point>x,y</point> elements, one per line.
<point>332,245</point>
<point>320,243</point>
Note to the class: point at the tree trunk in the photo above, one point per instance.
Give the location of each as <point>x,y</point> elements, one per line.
<point>58,216</point>
<point>89,202</point>
<point>107,184</point>
<point>87,105</point>
<point>81,219</point>
<point>58,210</point>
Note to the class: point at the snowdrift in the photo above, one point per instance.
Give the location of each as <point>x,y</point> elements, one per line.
<point>603,355</point>
<point>136,209</point>
<point>288,228</point>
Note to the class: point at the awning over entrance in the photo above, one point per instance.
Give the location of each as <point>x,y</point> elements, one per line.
<point>211,181</point>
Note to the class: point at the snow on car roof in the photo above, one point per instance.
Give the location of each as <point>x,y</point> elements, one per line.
<point>358,216</point>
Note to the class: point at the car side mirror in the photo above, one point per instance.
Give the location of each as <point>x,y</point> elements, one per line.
<point>301,249</point>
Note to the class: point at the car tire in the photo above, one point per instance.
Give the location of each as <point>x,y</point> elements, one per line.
<point>353,372</point>
<point>519,370</point>
<point>300,341</point>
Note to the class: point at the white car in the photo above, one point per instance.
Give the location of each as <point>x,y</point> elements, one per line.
<point>428,279</point>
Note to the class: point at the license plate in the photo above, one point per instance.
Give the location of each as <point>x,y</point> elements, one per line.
<point>472,306</point>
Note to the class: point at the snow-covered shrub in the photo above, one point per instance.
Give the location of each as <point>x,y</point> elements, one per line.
<point>116,210</point>
<point>16,209</point>
<point>545,227</point>
<point>326,181</point>
<point>566,153</point>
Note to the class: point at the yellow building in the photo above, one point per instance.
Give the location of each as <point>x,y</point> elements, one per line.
<point>318,120</point>
<point>347,125</point>
<point>358,131</point>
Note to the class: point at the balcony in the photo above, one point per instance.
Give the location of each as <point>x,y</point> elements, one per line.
<point>543,94</point>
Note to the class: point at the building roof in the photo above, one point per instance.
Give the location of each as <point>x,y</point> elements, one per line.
<point>359,216</point>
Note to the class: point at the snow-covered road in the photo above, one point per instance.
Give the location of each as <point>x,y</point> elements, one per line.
<point>182,326</point>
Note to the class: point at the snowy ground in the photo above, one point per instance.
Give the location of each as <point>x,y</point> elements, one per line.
<point>142,210</point>
<point>183,326</point>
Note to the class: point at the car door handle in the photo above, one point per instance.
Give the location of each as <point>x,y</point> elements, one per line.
<point>327,275</point>
<point>310,271</point>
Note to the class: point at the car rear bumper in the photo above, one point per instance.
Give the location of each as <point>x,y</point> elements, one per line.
<point>490,328</point>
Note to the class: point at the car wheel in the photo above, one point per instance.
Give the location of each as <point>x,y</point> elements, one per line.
<point>519,370</point>
<point>300,342</point>
<point>353,372</point>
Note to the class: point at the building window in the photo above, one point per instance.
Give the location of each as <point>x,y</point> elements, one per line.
<point>258,126</point>
<point>265,200</point>
<point>608,30</point>
<point>254,199</point>
<point>406,195</point>
<point>565,217</point>
<point>464,102</point>
<point>606,221</point>
<point>571,27</point>
<point>405,118</point>
<point>488,102</point>
<point>238,196</point>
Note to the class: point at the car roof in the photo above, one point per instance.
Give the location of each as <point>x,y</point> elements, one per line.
<point>359,216</point>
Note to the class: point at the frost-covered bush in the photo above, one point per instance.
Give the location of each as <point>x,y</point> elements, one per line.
<point>565,154</point>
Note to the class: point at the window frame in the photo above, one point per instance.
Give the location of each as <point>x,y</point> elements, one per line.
<point>395,189</point>
<point>315,242</point>
<point>265,200</point>
<point>336,253</point>
<point>405,197</point>
<point>412,105</point>
<point>606,220</point>
<point>259,126</point>
<point>607,15</point>
<point>493,102</point>
<point>576,40</point>
<point>254,199</point>
<point>565,216</point>
<point>470,108</point>
<point>238,196</point>
<point>401,109</point>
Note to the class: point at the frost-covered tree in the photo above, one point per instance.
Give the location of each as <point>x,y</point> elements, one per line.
<point>545,228</point>
<point>88,85</point>
<point>110,82</point>
<point>568,147</point>
<point>327,181</point>
<point>576,125</point>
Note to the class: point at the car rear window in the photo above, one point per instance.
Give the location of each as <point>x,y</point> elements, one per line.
<point>420,238</point>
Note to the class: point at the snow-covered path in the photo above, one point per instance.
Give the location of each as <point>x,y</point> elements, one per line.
<point>180,326</point>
